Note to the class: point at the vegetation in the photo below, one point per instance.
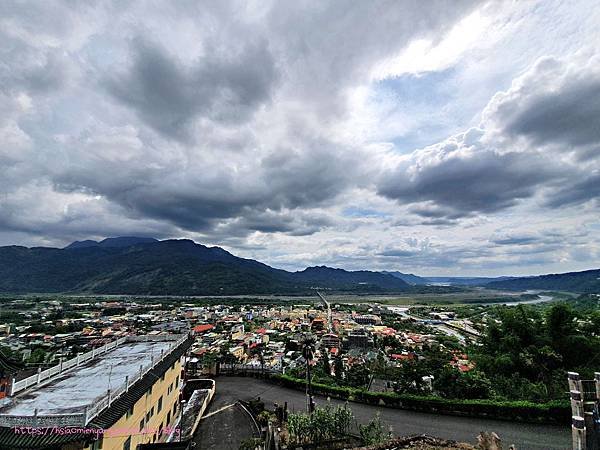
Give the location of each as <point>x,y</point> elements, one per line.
<point>373,432</point>
<point>172,267</point>
<point>586,282</point>
<point>322,425</point>
<point>549,412</point>
<point>526,352</point>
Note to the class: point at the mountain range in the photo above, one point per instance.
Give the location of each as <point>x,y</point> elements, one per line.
<point>146,266</point>
<point>587,281</point>
<point>143,266</point>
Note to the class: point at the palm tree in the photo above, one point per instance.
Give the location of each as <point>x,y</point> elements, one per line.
<point>308,353</point>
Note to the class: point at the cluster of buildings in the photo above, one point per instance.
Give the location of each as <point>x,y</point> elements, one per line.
<point>124,361</point>
<point>269,339</point>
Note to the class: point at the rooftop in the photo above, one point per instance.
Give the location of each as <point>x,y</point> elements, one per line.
<point>84,385</point>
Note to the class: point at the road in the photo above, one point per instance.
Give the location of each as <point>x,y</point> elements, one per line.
<point>524,436</point>
<point>225,424</point>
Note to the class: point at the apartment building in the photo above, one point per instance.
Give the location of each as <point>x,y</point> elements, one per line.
<point>112,398</point>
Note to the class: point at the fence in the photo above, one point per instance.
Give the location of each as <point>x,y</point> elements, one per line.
<point>106,401</point>
<point>47,374</point>
<point>585,405</point>
<point>90,411</point>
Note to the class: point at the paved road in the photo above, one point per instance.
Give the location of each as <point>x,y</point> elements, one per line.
<point>226,424</point>
<point>524,436</point>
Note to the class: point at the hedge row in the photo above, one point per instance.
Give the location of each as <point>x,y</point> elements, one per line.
<point>552,412</point>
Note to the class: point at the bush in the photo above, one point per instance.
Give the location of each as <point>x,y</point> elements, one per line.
<point>373,432</point>
<point>551,412</point>
<point>322,425</point>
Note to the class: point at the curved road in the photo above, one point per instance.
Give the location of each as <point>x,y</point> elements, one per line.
<point>465,429</point>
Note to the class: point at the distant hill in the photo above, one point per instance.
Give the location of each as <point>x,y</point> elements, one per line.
<point>362,280</point>
<point>587,281</point>
<point>466,281</point>
<point>144,266</point>
<point>123,241</point>
<point>409,278</point>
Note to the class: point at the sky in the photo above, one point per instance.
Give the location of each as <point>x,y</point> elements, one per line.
<point>432,137</point>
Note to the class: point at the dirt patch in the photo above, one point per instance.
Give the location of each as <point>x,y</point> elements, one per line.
<point>420,443</point>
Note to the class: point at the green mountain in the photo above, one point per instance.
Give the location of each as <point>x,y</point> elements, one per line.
<point>410,278</point>
<point>143,266</point>
<point>587,281</point>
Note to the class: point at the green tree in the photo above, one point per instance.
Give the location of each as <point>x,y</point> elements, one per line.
<point>308,353</point>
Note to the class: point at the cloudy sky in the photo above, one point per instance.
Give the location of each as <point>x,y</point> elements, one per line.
<point>434,137</point>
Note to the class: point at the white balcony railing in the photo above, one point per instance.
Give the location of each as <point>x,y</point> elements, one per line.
<point>88,412</point>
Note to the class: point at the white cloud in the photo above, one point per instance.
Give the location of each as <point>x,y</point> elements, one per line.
<point>271,128</point>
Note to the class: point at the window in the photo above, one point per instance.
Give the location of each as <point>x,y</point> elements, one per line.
<point>170,389</point>
<point>162,377</point>
<point>177,381</point>
<point>174,408</point>
<point>172,366</point>
<point>148,416</point>
<point>130,412</point>
<point>127,444</point>
<point>141,425</point>
<point>159,407</point>
<point>149,391</point>
<point>151,411</point>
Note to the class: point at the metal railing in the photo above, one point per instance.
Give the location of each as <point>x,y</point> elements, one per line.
<point>62,366</point>
<point>111,396</point>
<point>88,412</point>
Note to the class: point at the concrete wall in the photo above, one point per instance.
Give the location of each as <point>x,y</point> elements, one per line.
<point>129,425</point>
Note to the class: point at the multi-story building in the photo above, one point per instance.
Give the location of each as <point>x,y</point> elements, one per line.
<point>367,319</point>
<point>330,340</point>
<point>358,339</point>
<point>111,398</point>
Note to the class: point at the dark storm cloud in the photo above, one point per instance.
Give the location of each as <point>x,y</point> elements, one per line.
<point>398,253</point>
<point>292,222</point>
<point>516,240</point>
<point>461,183</point>
<point>168,95</point>
<point>232,110</point>
<point>554,104</point>
<point>575,193</point>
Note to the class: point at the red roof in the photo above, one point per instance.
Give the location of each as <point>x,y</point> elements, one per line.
<point>403,357</point>
<point>203,328</point>
<point>261,331</point>
<point>334,350</point>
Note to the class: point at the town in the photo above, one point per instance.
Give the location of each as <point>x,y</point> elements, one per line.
<point>368,351</point>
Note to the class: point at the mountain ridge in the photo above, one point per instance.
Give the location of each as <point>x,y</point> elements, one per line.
<point>168,267</point>
<point>586,281</point>
<point>147,266</point>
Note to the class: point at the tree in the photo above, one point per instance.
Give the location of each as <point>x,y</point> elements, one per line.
<point>357,376</point>
<point>308,353</point>
<point>338,366</point>
<point>38,356</point>
<point>452,383</point>
<point>325,365</point>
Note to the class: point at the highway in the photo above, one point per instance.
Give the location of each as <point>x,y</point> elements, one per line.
<point>229,389</point>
